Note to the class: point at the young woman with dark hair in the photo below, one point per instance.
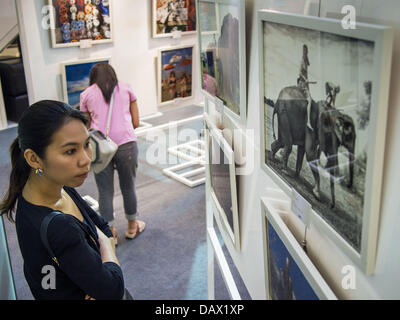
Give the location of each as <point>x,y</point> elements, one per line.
<point>49,158</point>
<point>95,102</point>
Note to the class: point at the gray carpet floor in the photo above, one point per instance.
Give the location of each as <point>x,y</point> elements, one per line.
<point>168,261</point>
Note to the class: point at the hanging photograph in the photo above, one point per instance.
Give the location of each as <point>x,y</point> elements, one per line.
<point>175,73</point>
<point>223,53</point>
<point>76,20</point>
<point>290,274</point>
<point>322,87</point>
<point>75,78</point>
<point>207,12</point>
<point>207,35</point>
<point>173,15</point>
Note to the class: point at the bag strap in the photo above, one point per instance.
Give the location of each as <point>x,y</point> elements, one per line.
<point>43,234</point>
<point>110,113</point>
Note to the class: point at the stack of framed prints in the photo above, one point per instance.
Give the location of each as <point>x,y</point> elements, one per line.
<point>75,78</point>
<point>289,273</point>
<point>175,69</point>
<point>222,173</point>
<point>324,96</point>
<point>222,48</point>
<point>173,15</point>
<point>75,20</point>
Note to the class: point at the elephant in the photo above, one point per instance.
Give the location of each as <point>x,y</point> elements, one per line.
<point>336,129</point>
<point>330,129</point>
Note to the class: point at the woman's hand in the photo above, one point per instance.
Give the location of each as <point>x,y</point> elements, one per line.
<point>107,247</point>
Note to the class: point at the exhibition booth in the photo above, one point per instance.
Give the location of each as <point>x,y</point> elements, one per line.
<point>299,108</point>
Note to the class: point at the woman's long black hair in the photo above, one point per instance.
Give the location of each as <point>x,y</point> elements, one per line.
<point>103,74</point>
<point>36,128</point>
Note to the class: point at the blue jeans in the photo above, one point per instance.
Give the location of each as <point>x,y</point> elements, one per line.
<point>125,161</point>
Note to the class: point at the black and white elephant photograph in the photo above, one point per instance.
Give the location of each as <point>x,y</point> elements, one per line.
<point>314,103</point>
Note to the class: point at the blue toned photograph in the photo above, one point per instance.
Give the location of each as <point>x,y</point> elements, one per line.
<point>77,79</point>
<point>286,281</point>
<point>176,73</point>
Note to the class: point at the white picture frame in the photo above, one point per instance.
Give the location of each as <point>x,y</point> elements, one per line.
<point>230,224</point>
<point>304,281</point>
<point>103,25</point>
<point>234,109</point>
<point>161,14</point>
<point>74,80</point>
<point>364,253</point>
<point>173,56</point>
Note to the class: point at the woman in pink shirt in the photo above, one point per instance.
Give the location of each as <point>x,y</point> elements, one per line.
<point>94,101</point>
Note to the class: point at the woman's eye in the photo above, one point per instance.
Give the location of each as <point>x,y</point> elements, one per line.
<point>87,144</point>
<point>71,152</point>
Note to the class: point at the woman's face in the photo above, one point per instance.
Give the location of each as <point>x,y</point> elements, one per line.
<point>68,157</point>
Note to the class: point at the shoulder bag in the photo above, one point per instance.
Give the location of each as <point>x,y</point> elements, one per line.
<point>103,147</point>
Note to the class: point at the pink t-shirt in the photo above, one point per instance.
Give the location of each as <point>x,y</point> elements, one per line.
<point>121,127</point>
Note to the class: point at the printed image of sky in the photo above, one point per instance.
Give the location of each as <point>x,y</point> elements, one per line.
<point>297,286</point>
<point>77,76</point>
<point>178,60</point>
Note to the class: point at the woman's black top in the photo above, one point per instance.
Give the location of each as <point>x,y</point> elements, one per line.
<point>75,244</point>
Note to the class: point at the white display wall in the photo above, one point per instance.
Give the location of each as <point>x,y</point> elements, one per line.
<point>133,53</point>
<point>383,284</point>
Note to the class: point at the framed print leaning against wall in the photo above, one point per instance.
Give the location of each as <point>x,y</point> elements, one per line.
<point>222,48</point>
<point>324,96</point>
<point>173,15</point>
<point>75,78</point>
<point>75,20</point>
<point>175,70</point>
<point>289,272</point>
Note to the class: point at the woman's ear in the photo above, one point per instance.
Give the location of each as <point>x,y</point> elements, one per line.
<point>33,159</point>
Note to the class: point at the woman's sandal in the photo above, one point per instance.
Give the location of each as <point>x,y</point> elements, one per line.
<point>140,226</point>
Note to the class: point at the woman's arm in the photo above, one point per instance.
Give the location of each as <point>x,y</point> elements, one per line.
<point>98,275</point>
<point>134,114</point>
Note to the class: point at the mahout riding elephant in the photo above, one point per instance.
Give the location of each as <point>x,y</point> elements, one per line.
<point>330,129</point>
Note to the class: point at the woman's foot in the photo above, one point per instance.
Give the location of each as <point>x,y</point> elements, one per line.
<point>115,235</point>
<point>135,227</point>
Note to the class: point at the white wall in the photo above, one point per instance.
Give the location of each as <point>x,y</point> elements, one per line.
<point>133,53</point>
<point>250,261</point>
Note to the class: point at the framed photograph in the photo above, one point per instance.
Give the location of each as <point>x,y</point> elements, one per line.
<point>222,50</point>
<point>289,272</point>
<point>73,21</point>
<point>207,16</point>
<point>75,78</point>
<point>222,175</point>
<point>324,97</point>
<point>175,69</point>
<point>173,15</point>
